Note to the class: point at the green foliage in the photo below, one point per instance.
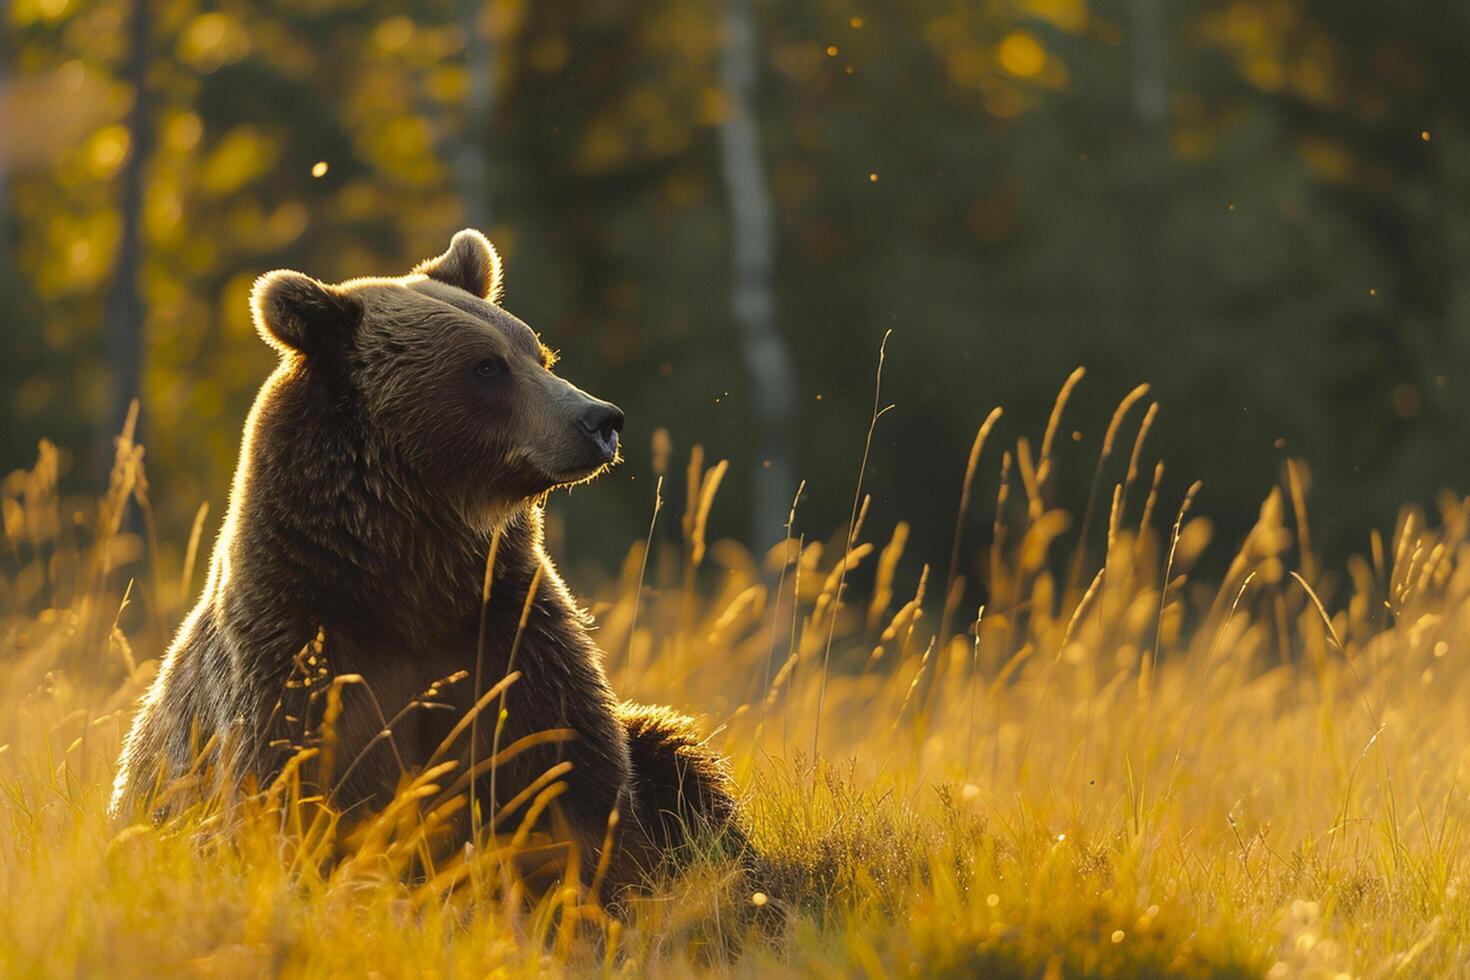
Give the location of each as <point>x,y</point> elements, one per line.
<point>1276,245</point>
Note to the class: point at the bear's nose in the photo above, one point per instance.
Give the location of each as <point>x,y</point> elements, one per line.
<point>603,421</point>
<point>603,418</point>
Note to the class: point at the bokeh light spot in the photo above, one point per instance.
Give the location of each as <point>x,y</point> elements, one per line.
<point>107,149</point>
<point>1021,55</point>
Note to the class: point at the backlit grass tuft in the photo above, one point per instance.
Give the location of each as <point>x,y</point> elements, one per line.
<point>1112,768</point>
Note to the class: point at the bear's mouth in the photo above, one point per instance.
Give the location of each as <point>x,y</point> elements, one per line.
<point>598,454</point>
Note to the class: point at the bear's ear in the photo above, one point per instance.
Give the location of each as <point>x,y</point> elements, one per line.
<point>296,312</point>
<point>472,264</point>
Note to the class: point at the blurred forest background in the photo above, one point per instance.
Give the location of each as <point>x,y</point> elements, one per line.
<point>716,208</point>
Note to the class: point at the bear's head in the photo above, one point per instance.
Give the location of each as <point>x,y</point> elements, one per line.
<point>440,379</point>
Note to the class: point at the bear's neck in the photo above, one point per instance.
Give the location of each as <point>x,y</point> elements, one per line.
<point>348,544</point>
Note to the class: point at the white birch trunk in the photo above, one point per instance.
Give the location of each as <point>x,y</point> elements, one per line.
<point>1150,49</point>
<point>753,249</point>
<point>469,155</point>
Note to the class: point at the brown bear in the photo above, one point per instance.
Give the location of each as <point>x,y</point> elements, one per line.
<point>412,427</point>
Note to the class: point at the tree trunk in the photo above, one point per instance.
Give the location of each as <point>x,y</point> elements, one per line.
<point>1150,51</point>
<point>124,313</point>
<point>6,259</point>
<point>469,154</point>
<point>753,247</point>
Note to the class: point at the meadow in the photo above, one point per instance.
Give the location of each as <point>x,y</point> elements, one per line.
<point>1112,768</point>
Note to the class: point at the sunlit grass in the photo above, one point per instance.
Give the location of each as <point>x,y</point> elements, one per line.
<point>1122,771</point>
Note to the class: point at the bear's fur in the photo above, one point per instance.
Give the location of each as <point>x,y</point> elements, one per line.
<point>411,426</point>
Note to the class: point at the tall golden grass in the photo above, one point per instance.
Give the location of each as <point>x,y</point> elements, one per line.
<point>1108,769</point>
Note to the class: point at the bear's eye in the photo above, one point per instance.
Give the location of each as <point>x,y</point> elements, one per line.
<point>491,367</point>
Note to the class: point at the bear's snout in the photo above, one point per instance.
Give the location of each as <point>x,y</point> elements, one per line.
<point>602,422</point>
